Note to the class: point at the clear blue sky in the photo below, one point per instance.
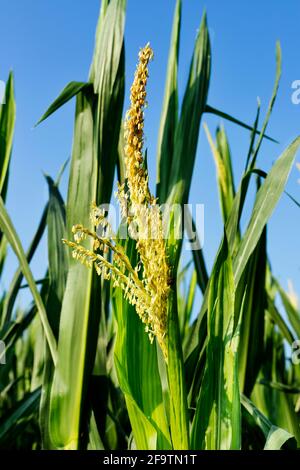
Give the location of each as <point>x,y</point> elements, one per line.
<point>49,43</point>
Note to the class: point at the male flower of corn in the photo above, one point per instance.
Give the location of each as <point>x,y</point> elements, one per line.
<point>146,285</point>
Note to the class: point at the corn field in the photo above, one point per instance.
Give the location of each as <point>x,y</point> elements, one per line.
<point>115,351</point>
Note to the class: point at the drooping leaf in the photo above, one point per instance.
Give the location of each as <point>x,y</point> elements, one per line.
<point>16,282</point>
<point>70,90</point>
<point>228,117</point>
<point>275,437</point>
<point>13,239</point>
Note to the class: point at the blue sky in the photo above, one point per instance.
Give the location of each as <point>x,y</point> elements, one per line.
<point>49,43</point>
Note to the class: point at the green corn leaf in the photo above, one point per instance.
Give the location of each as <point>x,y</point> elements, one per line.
<point>58,268</point>
<point>58,255</point>
<point>141,426</point>
<point>182,273</point>
<point>250,304</point>
<point>36,338</point>
<point>187,131</point>
<point>281,387</point>
<point>253,135</point>
<point>275,437</point>
<point>97,48</point>
<point>95,442</point>
<point>233,222</point>
<point>13,239</point>
<point>267,197</point>
<point>176,378</point>
<point>70,90</point>
<point>198,257</point>
<point>280,322</point>
<point>188,308</point>
<point>16,282</point>
<point>186,139</point>
<point>222,157</point>
<point>138,374</point>
<point>224,150</point>
<point>278,406</point>
<point>3,250</point>
<point>14,424</point>
<point>195,366</point>
<point>68,380</point>
<point>13,330</point>
<point>109,85</point>
<point>92,167</point>
<point>292,313</point>
<point>7,125</point>
<point>252,161</point>
<point>292,199</point>
<point>169,114</point>
<point>228,117</point>
<point>217,421</point>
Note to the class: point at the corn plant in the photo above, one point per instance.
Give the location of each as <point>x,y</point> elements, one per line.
<point>108,355</point>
